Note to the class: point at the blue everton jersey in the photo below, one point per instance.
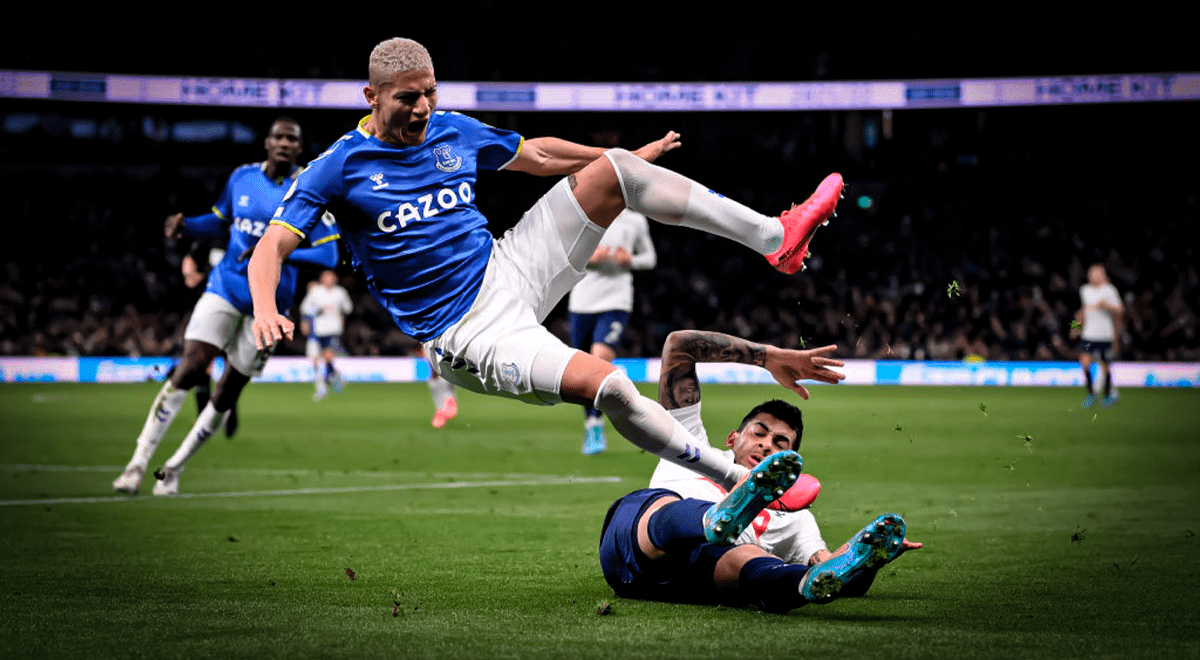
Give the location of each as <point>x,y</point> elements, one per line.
<point>408,215</point>
<point>245,208</point>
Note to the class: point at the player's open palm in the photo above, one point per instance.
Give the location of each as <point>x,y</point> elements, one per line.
<point>652,151</point>
<point>789,366</point>
<point>270,329</point>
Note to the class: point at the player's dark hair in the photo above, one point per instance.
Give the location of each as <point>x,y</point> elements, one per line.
<point>781,410</point>
<point>285,119</point>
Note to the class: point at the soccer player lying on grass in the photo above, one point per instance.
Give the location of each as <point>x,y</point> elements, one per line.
<point>403,184</point>
<point>757,545</point>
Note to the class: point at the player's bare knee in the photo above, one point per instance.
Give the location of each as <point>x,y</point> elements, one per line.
<point>597,188</point>
<point>628,169</point>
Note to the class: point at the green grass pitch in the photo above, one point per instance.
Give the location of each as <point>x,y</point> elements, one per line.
<point>1050,531</point>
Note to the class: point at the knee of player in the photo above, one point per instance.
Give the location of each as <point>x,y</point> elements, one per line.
<point>615,392</point>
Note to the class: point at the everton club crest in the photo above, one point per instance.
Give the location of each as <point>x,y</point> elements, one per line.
<point>445,159</point>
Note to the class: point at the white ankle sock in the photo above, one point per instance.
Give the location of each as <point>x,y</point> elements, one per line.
<point>440,389</point>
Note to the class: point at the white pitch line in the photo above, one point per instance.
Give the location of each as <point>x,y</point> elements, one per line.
<point>550,481</point>
<point>22,467</point>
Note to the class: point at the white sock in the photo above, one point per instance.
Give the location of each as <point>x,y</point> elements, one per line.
<point>648,425</point>
<point>166,405</point>
<point>674,199</point>
<point>206,424</point>
<point>441,390</point>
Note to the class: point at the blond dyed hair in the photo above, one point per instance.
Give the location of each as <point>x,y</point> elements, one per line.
<point>395,55</point>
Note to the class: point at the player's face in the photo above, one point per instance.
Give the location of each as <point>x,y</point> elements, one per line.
<point>762,436</point>
<point>283,143</point>
<point>403,105</point>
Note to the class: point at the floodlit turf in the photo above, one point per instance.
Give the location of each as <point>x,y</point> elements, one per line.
<point>1050,531</point>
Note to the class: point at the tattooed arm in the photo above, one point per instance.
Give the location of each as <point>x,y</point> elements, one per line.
<point>679,386</point>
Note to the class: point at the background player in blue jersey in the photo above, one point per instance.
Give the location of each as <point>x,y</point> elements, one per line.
<point>220,322</point>
<point>403,185</point>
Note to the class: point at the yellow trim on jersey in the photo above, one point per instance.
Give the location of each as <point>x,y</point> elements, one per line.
<point>323,241</point>
<point>516,154</point>
<point>217,212</point>
<point>363,122</point>
<point>288,227</point>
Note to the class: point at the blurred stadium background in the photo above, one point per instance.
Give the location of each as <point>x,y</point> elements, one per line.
<point>349,529</point>
<point>1010,202</point>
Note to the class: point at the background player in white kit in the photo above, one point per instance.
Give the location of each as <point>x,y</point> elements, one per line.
<point>1099,331</point>
<point>325,307</point>
<point>600,303</point>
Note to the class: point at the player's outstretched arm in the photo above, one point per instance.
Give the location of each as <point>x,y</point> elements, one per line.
<point>651,152</point>
<point>789,366</point>
<point>550,156</point>
<point>679,386</point>
<point>269,325</point>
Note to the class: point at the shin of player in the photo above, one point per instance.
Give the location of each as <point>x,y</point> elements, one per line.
<point>600,304</point>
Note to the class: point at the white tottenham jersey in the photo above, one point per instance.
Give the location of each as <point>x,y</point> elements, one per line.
<point>791,536</point>
<point>328,309</point>
<point>1098,323</point>
<point>611,287</point>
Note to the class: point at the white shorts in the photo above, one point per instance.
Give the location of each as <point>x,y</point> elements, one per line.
<point>215,321</point>
<point>499,346</point>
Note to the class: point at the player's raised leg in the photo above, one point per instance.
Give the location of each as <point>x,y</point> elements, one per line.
<point>767,482</point>
<point>672,198</point>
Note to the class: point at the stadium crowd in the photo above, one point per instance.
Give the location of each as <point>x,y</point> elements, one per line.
<point>974,246</point>
<point>964,232</point>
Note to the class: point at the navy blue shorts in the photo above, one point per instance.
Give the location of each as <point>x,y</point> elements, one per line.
<point>600,328</point>
<point>1101,350</point>
<point>678,578</point>
<point>332,342</point>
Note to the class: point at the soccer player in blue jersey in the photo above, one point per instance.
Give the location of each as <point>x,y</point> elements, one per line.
<point>221,319</point>
<point>403,185</point>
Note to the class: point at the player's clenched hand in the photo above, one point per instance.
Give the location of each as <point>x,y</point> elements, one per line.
<point>173,227</point>
<point>270,329</point>
<point>788,366</point>
<point>652,151</point>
